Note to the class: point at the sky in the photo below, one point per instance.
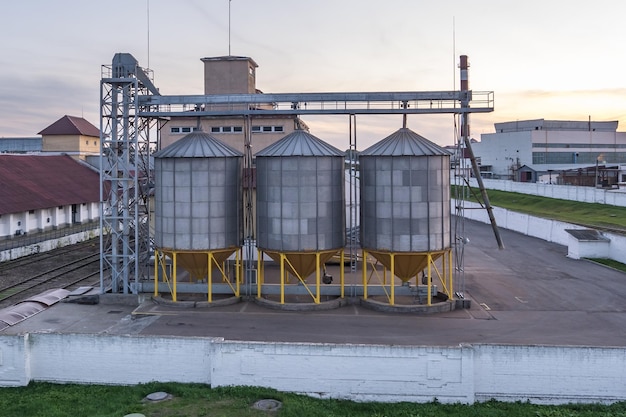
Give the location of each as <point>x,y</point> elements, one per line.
<point>551,59</point>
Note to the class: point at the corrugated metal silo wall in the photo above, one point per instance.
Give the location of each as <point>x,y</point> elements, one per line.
<point>300,203</point>
<point>405,203</point>
<point>198,203</point>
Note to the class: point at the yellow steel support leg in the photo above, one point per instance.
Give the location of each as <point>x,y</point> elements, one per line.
<point>450,285</point>
<point>209,278</point>
<point>392,280</point>
<point>317,279</point>
<point>174,276</point>
<point>430,280</point>
<point>342,273</point>
<point>364,275</point>
<point>238,270</point>
<point>282,278</point>
<point>156,273</point>
<point>259,270</point>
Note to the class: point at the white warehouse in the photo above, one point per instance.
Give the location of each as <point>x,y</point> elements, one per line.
<point>544,146</point>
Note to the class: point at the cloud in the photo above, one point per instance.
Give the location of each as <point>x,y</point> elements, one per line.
<point>35,102</point>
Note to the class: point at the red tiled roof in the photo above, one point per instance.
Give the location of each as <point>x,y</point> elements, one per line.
<point>70,125</point>
<point>31,182</point>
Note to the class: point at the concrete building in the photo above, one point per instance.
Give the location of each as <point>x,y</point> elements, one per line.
<point>73,136</point>
<point>21,145</point>
<point>69,135</point>
<point>534,150</point>
<point>230,75</point>
<point>40,193</point>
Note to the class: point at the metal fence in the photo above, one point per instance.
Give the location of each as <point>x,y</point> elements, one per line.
<point>31,238</point>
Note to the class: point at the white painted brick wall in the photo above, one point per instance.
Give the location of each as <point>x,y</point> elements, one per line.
<point>467,373</point>
<point>550,374</point>
<point>14,361</point>
<point>357,372</point>
<point>120,360</point>
<point>564,192</point>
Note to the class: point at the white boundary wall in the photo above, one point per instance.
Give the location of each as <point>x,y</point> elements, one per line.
<point>549,230</point>
<point>466,373</point>
<point>564,192</point>
<point>48,245</point>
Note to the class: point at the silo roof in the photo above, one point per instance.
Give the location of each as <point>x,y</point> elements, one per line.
<point>300,143</point>
<point>197,145</point>
<point>404,142</point>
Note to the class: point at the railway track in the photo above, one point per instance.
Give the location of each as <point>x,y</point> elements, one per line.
<point>44,256</point>
<point>69,268</point>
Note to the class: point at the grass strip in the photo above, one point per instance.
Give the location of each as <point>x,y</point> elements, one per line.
<point>40,399</point>
<point>586,214</point>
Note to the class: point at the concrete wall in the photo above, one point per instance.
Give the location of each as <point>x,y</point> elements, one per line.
<point>9,254</point>
<point>549,230</point>
<point>564,192</point>
<point>466,373</point>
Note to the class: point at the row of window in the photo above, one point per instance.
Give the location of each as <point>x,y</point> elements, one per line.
<point>229,129</point>
<point>579,145</point>
<point>183,129</point>
<point>578,157</point>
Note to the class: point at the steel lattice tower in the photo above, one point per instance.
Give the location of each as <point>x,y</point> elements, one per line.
<point>125,145</point>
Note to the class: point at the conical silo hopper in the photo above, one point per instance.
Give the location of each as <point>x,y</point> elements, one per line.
<point>405,202</point>
<point>198,203</point>
<point>300,202</point>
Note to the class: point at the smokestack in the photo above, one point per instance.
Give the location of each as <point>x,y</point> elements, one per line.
<point>464,75</point>
<point>464,65</point>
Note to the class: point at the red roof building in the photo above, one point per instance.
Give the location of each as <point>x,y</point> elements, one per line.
<point>71,135</point>
<point>39,192</point>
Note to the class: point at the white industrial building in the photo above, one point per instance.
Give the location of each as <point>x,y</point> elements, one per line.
<point>535,150</point>
<point>41,193</point>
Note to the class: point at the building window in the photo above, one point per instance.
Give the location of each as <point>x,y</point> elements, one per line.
<point>226,129</point>
<point>183,129</point>
<point>267,129</point>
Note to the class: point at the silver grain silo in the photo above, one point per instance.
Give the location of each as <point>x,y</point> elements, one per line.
<point>300,201</point>
<point>405,202</point>
<point>198,202</point>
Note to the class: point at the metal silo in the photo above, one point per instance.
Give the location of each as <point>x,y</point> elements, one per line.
<point>300,203</point>
<point>405,203</point>
<point>198,203</point>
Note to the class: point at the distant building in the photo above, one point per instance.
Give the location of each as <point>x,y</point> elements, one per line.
<point>542,147</point>
<point>69,135</point>
<point>41,192</point>
<point>73,136</point>
<point>20,145</point>
<point>230,75</point>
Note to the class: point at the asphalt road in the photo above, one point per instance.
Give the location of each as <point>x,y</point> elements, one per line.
<point>528,293</point>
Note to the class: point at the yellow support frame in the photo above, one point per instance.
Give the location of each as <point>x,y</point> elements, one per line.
<point>283,259</point>
<point>444,276</point>
<point>160,257</point>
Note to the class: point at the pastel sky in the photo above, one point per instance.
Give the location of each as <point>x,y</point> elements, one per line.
<point>552,59</point>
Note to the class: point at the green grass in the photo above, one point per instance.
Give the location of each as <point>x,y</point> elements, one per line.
<point>195,400</point>
<point>587,214</point>
<point>610,262</point>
